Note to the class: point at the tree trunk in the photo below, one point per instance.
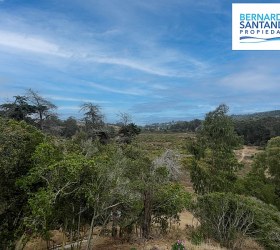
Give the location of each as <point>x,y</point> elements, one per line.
<point>114,226</point>
<point>90,232</point>
<point>147,218</point>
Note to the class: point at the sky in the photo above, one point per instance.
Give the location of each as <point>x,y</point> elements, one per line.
<point>157,60</point>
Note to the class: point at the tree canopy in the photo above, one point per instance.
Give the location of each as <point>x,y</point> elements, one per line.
<point>214,144</point>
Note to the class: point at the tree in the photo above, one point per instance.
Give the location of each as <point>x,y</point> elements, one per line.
<point>70,127</point>
<point>227,217</point>
<point>18,141</point>
<point>127,132</point>
<point>44,108</point>
<point>19,110</point>
<point>215,143</point>
<point>66,178</point>
<point>125,118</point>
<point>159,199</point>
<point>266,170</point>
<point>93,118</point>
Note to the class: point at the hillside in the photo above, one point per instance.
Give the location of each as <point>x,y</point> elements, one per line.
<point>273,113</point>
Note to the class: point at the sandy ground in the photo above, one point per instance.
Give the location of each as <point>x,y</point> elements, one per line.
<point>245,156</point>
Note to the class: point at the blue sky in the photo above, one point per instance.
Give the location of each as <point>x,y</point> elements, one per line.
<point>158,60</point>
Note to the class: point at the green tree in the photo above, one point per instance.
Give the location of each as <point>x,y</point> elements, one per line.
<point>127,132</point>
<point>66,178</point>
<point>44,108</point>
<point>214,144</point>
<point>19,110</point>
<point>158,199</point>
<point>18,141</point>
<point>263,180</point>
<point>227,218</point>
<point>70,127</point>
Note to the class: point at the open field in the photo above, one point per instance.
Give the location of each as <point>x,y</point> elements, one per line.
<point>156,143</point>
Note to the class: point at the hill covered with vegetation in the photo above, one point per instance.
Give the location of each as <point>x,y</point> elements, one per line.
<point>273,113</point>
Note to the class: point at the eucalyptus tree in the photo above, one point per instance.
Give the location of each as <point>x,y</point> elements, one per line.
<point>214,145</point>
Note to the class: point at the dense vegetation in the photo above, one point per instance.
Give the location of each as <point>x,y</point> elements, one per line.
<point>256,128</point>
<point>258,131</point>
<point>59,174</point>
<point>274,113</point>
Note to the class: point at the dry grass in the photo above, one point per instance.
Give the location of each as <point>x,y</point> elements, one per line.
<point>244,155</point>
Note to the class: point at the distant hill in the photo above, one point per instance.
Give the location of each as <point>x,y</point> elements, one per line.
<point>274,113</point>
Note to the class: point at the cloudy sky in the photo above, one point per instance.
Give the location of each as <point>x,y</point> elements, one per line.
<point>158,60</point>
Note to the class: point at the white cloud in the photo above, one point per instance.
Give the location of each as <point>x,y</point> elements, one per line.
<point>251,81</point>
<point>61,98</point>
<point>131,91</point>
<point>29,43</point>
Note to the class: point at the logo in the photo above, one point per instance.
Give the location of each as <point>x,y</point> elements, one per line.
<point>256,26</point>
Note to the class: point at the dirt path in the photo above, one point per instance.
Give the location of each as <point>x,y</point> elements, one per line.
<point>244,155</point>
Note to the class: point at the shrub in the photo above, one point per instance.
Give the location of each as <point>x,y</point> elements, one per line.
<point>197,237</point>
<point>178,245</point>
<point>223,217</point>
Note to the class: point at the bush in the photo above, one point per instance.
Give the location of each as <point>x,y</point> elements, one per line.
<point>197,237</point>
<point>178,245</point>
<point>223,217</point>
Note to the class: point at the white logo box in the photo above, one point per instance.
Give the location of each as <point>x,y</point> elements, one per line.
<point>256,26</point>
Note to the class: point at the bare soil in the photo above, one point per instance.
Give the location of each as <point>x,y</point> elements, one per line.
<point>245,156</point>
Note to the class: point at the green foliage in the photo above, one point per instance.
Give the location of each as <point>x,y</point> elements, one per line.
<point>215,143</point>
<point>197,237</point>
<point>159,198</point>
<point>63,179</point>
<point>183,126</point>
<point>70,127</point>
<point>18,141</point>
<point>169,201</point>
<point>226,216</point>
<point>129,131</point>
<point>258,131</point>
<point>178,245</point>
<point>263,180</point>
<point>257,183</point>
<point>19,110</point>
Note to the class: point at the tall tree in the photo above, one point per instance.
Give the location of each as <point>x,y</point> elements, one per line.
<point>93,117</point>
<point>44,108</point>
<point>17,143</point>
<point>215,143</point>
